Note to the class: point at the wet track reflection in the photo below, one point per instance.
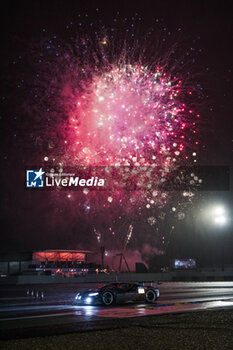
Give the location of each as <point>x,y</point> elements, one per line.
<point>15,315</point>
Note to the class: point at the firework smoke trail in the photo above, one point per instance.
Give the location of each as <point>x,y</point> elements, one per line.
<point>128,236</point>
<point>108,105</point>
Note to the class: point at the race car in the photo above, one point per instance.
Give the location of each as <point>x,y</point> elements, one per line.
<point>118,292</point>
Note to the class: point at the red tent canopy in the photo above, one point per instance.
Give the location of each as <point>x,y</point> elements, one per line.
<point>60,255</point>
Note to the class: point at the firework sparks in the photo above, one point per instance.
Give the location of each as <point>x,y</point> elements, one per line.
<point>113,108</point>
<point>130,116</point>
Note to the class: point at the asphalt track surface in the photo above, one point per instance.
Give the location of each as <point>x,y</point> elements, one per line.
<point>23,315</point>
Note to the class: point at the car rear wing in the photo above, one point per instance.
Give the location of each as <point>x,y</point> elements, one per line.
<point>143,283</point>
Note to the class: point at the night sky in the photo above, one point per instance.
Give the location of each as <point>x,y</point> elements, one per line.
<point>33,220</point>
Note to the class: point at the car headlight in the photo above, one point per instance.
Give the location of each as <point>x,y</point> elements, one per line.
<point>78,296</point>
<point>93,294</point>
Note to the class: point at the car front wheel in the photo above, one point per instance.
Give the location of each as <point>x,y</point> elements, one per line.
<point>107,298</point>
<point>151,296</point>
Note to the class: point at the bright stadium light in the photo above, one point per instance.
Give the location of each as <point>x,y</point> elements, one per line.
<point>219,211</point>
<point>219,215</point>
<point>220,220</point>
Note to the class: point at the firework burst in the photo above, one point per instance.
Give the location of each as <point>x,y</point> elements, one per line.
<point>108,102</point>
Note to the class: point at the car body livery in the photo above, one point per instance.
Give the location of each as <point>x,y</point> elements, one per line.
<point>118,292</point>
